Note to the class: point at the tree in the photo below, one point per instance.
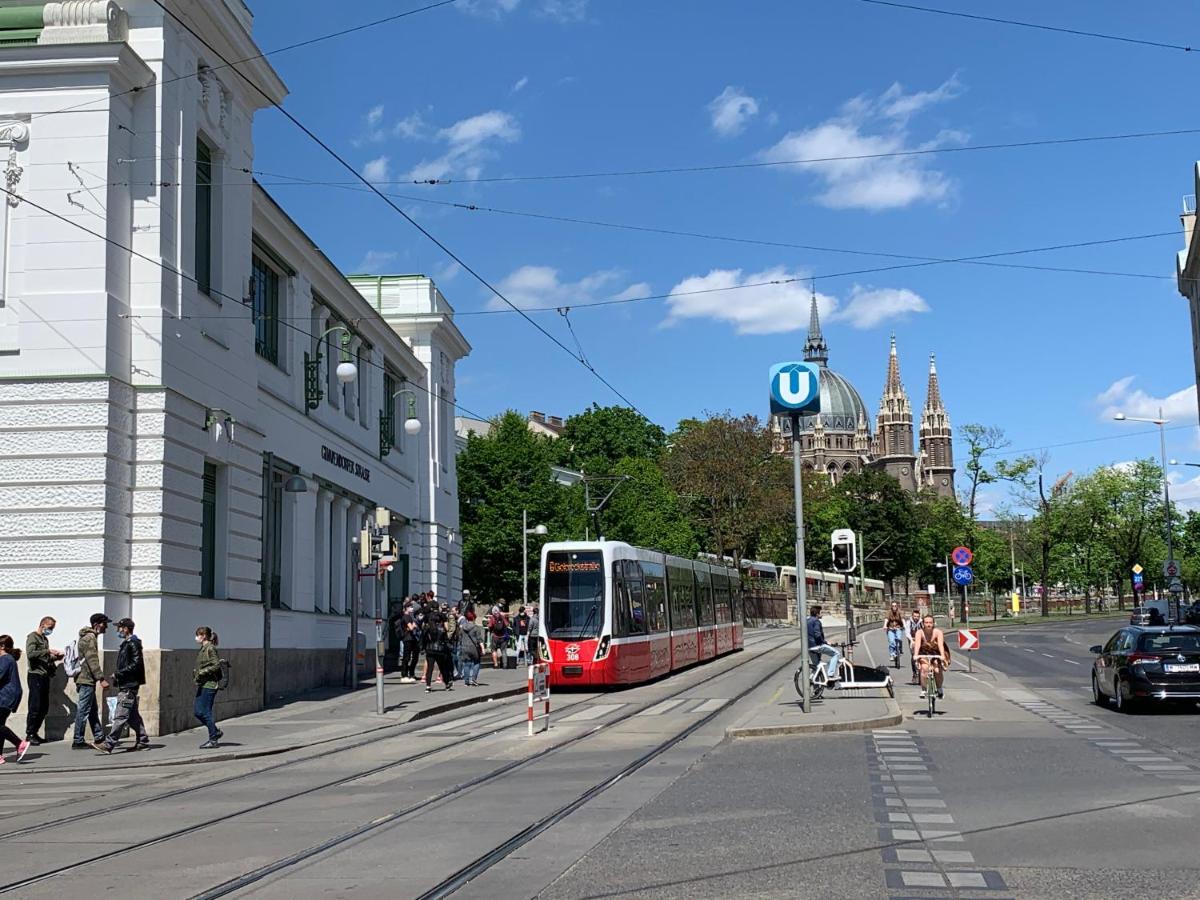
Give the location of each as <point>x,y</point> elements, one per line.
<point>595,440</point>
<point>884,515</point>
<point>499,475</point>
<point>645,510</point>
<point>984,440</point>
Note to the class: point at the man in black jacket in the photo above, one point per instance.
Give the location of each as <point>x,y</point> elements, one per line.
<point>130,675</point>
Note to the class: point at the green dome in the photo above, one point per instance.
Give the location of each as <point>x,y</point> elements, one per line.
<point>841,406</point>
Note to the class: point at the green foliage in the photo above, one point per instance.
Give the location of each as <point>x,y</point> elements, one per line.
<point>597,439</point>
<point>646,511</point>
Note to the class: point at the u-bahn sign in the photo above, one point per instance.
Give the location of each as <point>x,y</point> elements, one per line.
<point>795,388</point>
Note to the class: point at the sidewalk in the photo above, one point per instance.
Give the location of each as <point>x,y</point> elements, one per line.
<point>332,714</point>
<point>775,708</point>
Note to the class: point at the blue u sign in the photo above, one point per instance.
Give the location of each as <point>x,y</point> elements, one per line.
<point>795,388</point>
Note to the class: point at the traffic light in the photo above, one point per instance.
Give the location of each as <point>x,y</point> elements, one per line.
<point>845,556</point>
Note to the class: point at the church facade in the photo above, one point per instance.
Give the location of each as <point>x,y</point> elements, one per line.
<point>839,441</point>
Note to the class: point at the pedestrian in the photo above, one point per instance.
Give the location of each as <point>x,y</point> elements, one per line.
<point>10,696</point>
<point>497,629</point>
<point>129,677</point>
<point>535,635</point>
<point>206,675</point>
<point>452,637</point>
<point>410,642</point>
<point>88,680</point>
<point>41,662</point>
<point>470,648</point>
<point>520,625</point>
<point>437,652</point>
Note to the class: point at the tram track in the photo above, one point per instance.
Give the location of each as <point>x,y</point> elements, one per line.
<point>423,754</point>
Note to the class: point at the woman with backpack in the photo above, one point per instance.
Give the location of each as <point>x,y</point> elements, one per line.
<point>470,649</point>
<point>498,631</point>
<point>437,651</point>
<point>10,696</point>
<point>207,675</point>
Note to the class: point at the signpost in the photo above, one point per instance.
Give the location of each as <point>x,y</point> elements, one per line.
<point>962,558</point>
<point>796,390</point>
<point>968,640</point>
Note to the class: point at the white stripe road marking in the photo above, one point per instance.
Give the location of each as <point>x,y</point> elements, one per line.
<point>1072,662</point>
<point>1027,650</point>
<point>710,705</point>
<point>1048,655</point>
<point>593,712</point>
<point>659,708</point>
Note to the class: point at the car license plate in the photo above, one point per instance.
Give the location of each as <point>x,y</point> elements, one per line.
<point>1182,667</point>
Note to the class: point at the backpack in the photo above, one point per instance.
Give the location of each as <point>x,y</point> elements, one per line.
<point>498,626</point>
<point>72,663</point>
<point>223,678</point>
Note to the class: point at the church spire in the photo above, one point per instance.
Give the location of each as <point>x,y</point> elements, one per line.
<point>933,396</point>
<point>815,348</point>
<point>936,439</point>
<point>892,386</point>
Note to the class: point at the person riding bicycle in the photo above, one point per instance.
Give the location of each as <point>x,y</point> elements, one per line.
<point>894,623</point>
<point>931,642</point>
<point>816,643</point>
<point>911,626</point>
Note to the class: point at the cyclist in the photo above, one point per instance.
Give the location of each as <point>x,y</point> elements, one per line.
<point>816,643</point>
<point>931,642</point>
<point>911,626</point>
<point>894,623</point>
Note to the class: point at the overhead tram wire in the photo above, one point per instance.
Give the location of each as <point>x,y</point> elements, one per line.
<point>816,160</point>
<point>308,42</point>
<point>1076,32</point>
<point>400,211</point>
<point>283,320</point>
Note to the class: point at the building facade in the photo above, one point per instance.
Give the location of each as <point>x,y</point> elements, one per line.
<point>839,440</point>
<point>1187,268</point>
<point>177,444</point>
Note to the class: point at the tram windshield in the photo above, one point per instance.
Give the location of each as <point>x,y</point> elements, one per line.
<point>574,594</point>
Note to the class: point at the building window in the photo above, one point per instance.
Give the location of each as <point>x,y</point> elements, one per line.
<point>272,538</point>
<point>266,310</point>
<point>204,217</point>
<point>208,532</point>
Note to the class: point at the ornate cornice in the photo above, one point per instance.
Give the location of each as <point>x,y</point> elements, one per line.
<point>84,22</point>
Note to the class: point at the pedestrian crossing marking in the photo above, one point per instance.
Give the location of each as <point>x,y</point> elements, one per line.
<point>593,712</point>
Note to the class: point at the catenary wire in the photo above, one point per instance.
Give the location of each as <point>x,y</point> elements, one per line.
<point>1003,453</point>
<point>1077,32</point>
<point>305,43</point>
<point>283,320</point>
<point>400,211</point>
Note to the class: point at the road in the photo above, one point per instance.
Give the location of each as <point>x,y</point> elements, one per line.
<point>1018,788</point>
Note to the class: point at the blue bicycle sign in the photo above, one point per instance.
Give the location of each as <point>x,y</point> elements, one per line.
<point>963,575</point>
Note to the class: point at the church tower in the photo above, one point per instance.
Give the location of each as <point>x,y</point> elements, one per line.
<point>894,429</point>
<point>937,445</point>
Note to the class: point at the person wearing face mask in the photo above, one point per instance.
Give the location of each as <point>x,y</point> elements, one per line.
<point>41,663</point>
<point>89,680</point>
<point>207,675</point>
<point>129,677</point>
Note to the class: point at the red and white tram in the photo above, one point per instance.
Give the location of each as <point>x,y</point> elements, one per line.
<point>616,614</point>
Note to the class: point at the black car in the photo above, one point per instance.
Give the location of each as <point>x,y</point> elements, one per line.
<point>1191,614</point>
<point>1141,663</point>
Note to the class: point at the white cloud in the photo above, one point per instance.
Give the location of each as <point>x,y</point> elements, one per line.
<point>868,307</point>
<point>731,110</point>
<point>564,10</point>
<point>491,9</point>
<point>469,144</point>
<point>375,116</point>
<point>540,286</point>
<point>867,127</point>
<point>558,10</point>
<point>779,302</point>
<point>520,85</point>
<point>375,262</point>
<point>1122,397</point>
<point>411,126</point>
<point>376,169</point>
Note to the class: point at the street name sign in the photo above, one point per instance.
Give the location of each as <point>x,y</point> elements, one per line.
<point>962,556</point>
<point>968,639</point>
<point>963,575</point>
<point>795,388</point>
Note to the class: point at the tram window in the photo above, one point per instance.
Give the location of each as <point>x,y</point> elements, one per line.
<point>574,594</point>
<point>704,598</point>
<point>635,594</point>
<point>654,577</point>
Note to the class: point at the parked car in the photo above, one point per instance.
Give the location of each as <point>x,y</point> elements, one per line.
<point>1191,614</point>
<point>1142,663</point>
<point>1151,612</point>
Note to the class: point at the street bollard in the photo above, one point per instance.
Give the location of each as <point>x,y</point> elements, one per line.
<point>379,666</point>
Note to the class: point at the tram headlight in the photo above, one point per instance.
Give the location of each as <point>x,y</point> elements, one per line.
<point>602,649</point>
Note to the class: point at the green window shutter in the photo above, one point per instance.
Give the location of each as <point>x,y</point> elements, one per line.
<point>204,218</point>
<point>208,532</point>
<point>266,310</point>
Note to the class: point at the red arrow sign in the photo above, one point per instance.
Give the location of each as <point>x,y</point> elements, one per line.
<point>968,639</point>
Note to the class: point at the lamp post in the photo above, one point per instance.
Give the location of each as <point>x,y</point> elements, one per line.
<point>526,531</point>
<point>949,600</point>
<point>412,427</point>
<point>1162,446</point>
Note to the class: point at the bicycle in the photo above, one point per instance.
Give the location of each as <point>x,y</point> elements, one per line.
<point>931,688</point>
<point>850,676</point>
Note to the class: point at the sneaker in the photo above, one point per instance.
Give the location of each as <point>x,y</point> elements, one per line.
<point>220,734</point>
<point>209,745</point>
<point>103,746</point>
<point>142,745</point>
<point>34,739</point>
<point>922,693</point>
<point>81,746</point>
<point>941,696</point>
<point>449,686</point>
<point>22,749</point>
<point>428,689</point>
<point>2,759</point>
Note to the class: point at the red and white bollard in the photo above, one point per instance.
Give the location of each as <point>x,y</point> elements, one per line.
<point>539,691</point>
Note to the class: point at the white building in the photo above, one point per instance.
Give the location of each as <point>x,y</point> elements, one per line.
<point>152,423</point>
<point>1187,266</point>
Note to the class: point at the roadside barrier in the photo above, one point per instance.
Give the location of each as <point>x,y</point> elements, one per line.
<point>539,691</point>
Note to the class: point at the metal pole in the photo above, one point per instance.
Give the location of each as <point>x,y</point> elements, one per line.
<point>379,706</point>
<point>849,614</point>
<point>949,596</point>
<point>525,557</point>
<point>862,564</point>
<point>801,581</point>
<point>354,615</point>
<point>268,573</point>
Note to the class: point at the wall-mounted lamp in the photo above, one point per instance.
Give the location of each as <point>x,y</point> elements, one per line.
<point>346,371</point>
<point>387,423</point>
<point>215,420</point>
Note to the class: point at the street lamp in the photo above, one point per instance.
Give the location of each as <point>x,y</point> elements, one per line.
<point>1162,444</point>
<point>526,531</point>
<point>949,598</point>
<point>346,370</point>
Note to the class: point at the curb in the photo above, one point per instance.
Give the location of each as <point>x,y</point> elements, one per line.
<point>892,718</point>
<point>276,750</point>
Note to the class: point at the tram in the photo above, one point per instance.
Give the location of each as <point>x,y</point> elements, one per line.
<point>616,614</point>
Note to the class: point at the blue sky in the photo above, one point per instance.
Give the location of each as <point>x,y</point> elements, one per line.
<point>491,88</point>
